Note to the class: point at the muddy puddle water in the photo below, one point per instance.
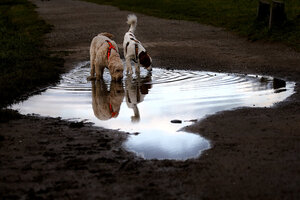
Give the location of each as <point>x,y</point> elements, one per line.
<point>145,106</point>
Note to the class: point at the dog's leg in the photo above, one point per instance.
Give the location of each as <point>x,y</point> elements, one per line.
<point>137,68</point>
<point>99,70</point>
<point>99,73</point>
<point>124,51</point>
<point>92,67</point>
<point>92,63</point>
<point>102,71</point>
<point>128,66</point>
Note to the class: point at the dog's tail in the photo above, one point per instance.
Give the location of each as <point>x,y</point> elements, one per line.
<point>109,35</point>
<point>132,21</point>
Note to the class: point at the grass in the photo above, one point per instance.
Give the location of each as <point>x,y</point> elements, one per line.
<point>235,15</point>
<point>26,64</point>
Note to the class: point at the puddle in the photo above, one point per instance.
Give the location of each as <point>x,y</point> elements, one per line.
<point>145,106</point>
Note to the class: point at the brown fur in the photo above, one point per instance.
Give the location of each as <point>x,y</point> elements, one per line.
<point>109,35</point>
<point>145,59</point>
<point>99,60</point>
<point>102,99</point>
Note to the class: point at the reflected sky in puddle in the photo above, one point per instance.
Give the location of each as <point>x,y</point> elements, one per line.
<point>146,105</point>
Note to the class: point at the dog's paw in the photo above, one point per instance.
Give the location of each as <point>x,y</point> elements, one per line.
<point>91,78</point>
<point>129,69</point>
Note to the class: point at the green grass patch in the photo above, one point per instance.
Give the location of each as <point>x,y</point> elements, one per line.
<point>25,62</point>
<point>235,15</point>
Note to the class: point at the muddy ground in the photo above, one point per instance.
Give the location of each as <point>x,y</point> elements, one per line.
<point>255,153</point>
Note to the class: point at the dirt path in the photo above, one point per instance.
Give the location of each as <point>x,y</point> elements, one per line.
<point>255,152</point>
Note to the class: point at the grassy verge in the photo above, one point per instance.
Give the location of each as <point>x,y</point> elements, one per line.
<point>234,15</point>
<point>25,62</point>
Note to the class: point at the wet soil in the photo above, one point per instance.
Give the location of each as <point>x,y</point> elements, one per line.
<point>255,153</point>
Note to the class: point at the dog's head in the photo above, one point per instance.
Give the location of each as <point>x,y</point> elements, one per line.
<point>115,67</point>
<point>145,60</point>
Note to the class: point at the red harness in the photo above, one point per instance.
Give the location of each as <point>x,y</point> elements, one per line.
<point>113,114</point>
<point>109,49</point>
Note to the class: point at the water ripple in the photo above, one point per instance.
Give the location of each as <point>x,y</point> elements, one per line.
<point>147,103</point>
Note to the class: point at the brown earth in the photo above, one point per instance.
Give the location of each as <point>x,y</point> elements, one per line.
<point>255,153</point>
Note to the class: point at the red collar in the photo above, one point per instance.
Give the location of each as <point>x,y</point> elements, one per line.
<point>109,49</point>
<point>113,114</point>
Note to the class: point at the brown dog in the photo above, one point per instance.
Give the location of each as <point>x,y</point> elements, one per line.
<point>106,103</point>
<point>104,52</point>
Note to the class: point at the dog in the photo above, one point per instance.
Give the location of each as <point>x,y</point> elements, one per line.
<point>106,103</point>
<point>133,49</point>
<point>135,91</point>
<point>104,52</point>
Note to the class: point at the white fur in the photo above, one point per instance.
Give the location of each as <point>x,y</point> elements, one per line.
<point>135,92</point>
<point>129,46</point>
<point>132,21</point>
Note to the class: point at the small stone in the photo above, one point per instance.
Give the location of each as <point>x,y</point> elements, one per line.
<point>176,121</point>
<point>76,124</point>
<point>263,79</point>
<point>278,83</point>
<point>191,120</point>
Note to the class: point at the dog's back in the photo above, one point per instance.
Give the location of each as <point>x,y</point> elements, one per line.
<point>109,35</point>
<point>100,40</point>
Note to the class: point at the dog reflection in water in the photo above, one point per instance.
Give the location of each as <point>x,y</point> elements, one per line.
<point>106,104</point>
<point>135,91</point>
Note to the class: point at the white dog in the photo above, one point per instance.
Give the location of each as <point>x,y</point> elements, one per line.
<point>133,49</point>
<point>135,91</point>
<point>104,52</point>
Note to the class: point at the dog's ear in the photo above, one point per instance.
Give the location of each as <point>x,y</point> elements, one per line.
<point>145,59</point>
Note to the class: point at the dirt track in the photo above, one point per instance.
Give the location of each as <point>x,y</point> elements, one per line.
<point>255,154</point>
